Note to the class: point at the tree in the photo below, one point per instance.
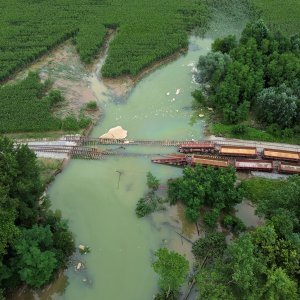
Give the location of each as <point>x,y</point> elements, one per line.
<point>210,247</point>
<point>212,67</point>
<point>34,241</point>
<point>172,269</point>
<point>201,186</point>
<point>279,286</point>
<point>152,182</point>
<point>224,45</point>
<point>35,261</point>
<point>244,264</point>
<point>257,30</point>
<point>213,283</point>
<point>277,105</point>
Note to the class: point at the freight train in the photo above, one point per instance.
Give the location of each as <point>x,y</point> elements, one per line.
<point>241,158</point>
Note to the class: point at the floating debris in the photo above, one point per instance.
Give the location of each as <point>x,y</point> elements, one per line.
<point>210,109</point>
<point>84,249</point>
<point>178,92</point>
<point>168,93</point>
<point>79,265</point>
<point>201,115</point>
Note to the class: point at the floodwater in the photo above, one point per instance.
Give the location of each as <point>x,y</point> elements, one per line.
<point>101,208</point>
<point>99,197</point>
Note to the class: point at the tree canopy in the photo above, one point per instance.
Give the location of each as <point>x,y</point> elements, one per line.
<point>172,269</point>
<point>34,241</point>
<point>199,186</point>
<point>259,73</point>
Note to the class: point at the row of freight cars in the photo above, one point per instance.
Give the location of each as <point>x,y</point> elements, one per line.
<point>236,151</point>
<point>239,164</point>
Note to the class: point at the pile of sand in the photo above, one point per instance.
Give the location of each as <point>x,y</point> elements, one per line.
<point>115,133</point>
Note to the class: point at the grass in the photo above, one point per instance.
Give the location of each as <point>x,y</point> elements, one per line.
<point>257,189</point>
<point>48,167</point>
<point>251,133</point>
<point>280,15</point>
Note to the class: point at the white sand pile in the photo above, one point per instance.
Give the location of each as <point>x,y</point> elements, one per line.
<point>115,133</point>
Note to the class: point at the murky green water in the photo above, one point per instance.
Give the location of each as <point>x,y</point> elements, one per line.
<point>101,213</point>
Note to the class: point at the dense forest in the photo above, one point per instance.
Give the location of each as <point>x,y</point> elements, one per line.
<point>258,74</point>
<point>35,242</point>
<point>146,30</point>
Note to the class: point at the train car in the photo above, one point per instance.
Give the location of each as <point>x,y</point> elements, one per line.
<point>219,163</point>
<point>286,168</point>
<point>250,152</point>
<point>197,147</point>
<point>253,165</point>
<point>281,155</point>
<point>175,160</point>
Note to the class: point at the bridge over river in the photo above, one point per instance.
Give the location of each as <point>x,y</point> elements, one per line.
<point>92,148</point>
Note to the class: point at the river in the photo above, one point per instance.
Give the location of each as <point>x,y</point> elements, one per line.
<point>100,205</point>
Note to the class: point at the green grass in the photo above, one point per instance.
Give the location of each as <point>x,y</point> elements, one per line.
<point>283,15</point>
<point>146,30</point>
<point>257,189</point>
<point>48,167</point>
<point>254,134</point>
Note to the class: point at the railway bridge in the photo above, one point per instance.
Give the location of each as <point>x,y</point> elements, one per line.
<point>217,152</point>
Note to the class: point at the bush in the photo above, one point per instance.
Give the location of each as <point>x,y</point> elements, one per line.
<point>211,246</point>
<point>92,105</point>
<point>198,96</point>
<point>145,206</point>
<point>211,217</point>
<point>55,97</point>
<point>239,129</point>
<point>234,224</point>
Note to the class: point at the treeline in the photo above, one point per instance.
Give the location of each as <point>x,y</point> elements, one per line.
<point>259,74</point>
<point>25,106</point>
<point>35,242</point>
<point>146,30</point>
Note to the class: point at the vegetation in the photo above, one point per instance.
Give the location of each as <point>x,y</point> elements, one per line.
<point>47,169</point>
<point>243,131</point>
<point>35,242</point>
<point>209,187</point>
<point>150,202</point>
<point>92,105</point>
<point>172,269</point>
<point>26,107</point>
<point>258,189</point>
<point>278,15</point>
<point>258,74</point>
<point>263,263</point>
<point>210,247</point>
<point>146,31</point>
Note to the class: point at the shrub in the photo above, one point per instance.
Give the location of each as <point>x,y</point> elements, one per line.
<point>92,105</point>
<point>239,129</point>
